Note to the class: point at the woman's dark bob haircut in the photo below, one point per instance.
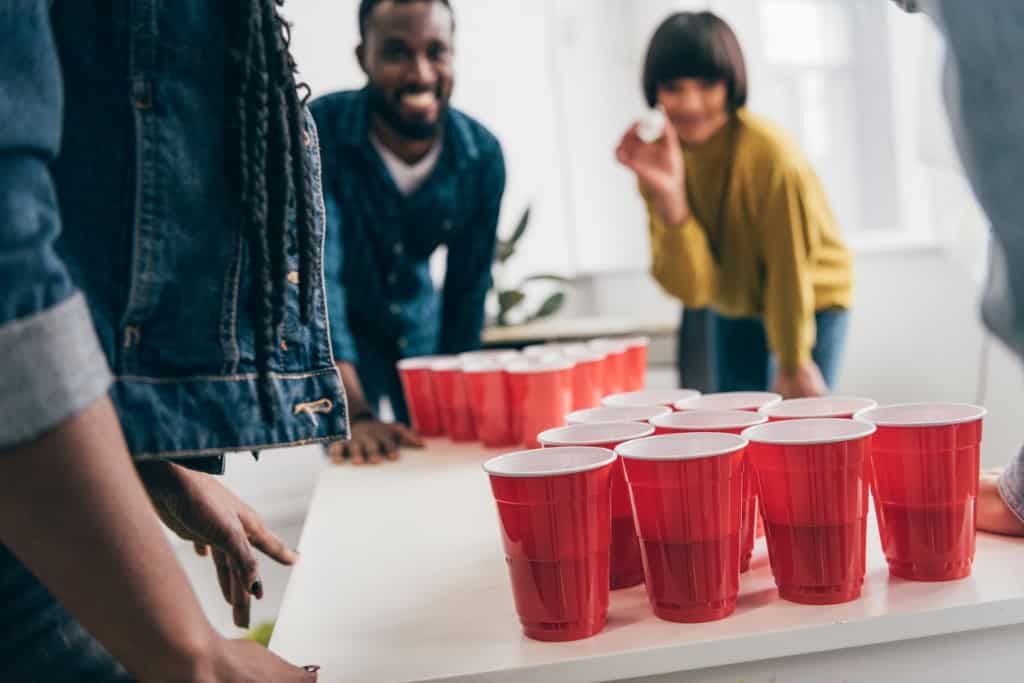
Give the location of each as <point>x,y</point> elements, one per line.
<point>696,45</point>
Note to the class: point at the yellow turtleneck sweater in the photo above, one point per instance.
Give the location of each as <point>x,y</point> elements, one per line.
<point>777,253</point>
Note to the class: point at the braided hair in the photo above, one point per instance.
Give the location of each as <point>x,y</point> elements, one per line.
<point>267,169</point>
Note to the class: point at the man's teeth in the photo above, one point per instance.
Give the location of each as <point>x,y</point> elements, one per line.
<point>422,99</point>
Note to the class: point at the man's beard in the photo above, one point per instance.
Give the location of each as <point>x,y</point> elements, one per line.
<point>388,111</point>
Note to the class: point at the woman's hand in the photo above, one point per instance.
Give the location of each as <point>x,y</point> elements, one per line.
<point>660,170</point>
<point>801,382</point>
<point>993,513</point>
<point>201,510</point>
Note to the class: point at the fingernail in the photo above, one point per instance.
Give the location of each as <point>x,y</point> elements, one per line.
<point>257,589</point>
<point>311,668</point>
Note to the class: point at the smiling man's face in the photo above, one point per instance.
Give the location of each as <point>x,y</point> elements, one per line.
<point>407,57</point>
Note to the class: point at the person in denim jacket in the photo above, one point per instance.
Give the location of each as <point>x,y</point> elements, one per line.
<point>985,105</point>
<point>161,302</point>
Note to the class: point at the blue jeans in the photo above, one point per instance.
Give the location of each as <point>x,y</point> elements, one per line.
<point>742,360</point>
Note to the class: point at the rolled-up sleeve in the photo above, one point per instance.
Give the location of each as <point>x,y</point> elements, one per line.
<point>51,363</point>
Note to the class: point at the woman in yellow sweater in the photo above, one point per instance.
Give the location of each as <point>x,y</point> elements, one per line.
<point>738,219</point>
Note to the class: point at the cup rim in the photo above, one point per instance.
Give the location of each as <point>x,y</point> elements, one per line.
<point>648,397</point>
<point>637,342</point>
<point>854,404</point>
<point>781,433</point>
<point>728,419</point>
<point>627,431</point>
<point>527,367</point>
<point>539,350</point>
<point>610,346</point>
<point>730,400</point>
<point>584,355</point>
<point>481,365</point>
<point>450,364</point>
<point>701,445</point>
<point>420,362</point>
<point>877,415</point>
<point>575,416</point>
<point>590,458</point>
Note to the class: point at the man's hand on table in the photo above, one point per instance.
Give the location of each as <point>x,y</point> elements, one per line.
<point>993,513</point>
<point>202,511</point>
<point>373,442</point>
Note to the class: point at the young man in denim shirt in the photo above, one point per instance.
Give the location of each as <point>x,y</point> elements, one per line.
<point>404,174</point>
<point>985,104</point>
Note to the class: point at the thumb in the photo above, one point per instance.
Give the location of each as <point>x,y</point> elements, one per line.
<point>670,138</point>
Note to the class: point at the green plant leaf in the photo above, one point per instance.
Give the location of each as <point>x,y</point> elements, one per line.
<point>504,251</point>
<point>509,299</point>
<point>520,230</point>
<point>550,306</point>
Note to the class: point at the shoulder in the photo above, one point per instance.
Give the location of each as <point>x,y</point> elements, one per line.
<point>476,135</point>
<point>766,150</point>
<point>328,109</point>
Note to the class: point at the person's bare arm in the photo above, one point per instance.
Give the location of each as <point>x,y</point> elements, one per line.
<point>73,510</point>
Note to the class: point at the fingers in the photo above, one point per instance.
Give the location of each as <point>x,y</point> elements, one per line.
<point>266,542</point>
<point>408,437</point>
<point>336,452</point>
<point>244,567</point>
<point>224,578</point>
<point>239,601</point>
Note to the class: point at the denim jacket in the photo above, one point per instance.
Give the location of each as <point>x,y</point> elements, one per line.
<point>122,267</point>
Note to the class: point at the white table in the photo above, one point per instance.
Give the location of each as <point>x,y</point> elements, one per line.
<point>402,578</point>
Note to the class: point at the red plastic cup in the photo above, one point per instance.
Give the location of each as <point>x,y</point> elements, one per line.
<point>453,400</point>
<point>503,356</point>
<point>925,462</point>
<point>490,402</point>
<point>626,565</point>
<point>588,376</point>
<point>540,351</point>
<point>636,363</point>
<point>687,492</point>
<point>730,400</point>
<point>728,422</point>
<point>554,506</point>
<point>615,367</point>
<point>418,387</point>
<point>839,407</point>
<point>541,397</point>
<point>649,397</point>
<point>606,414</point>
<point>811,477</point>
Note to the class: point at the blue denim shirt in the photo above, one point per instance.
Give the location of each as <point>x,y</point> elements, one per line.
<point>383,304</point>
<point>121,263</point>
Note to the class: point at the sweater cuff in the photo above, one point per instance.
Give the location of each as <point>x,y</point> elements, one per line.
<point>793,359</point>
<point>1011,487</point>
